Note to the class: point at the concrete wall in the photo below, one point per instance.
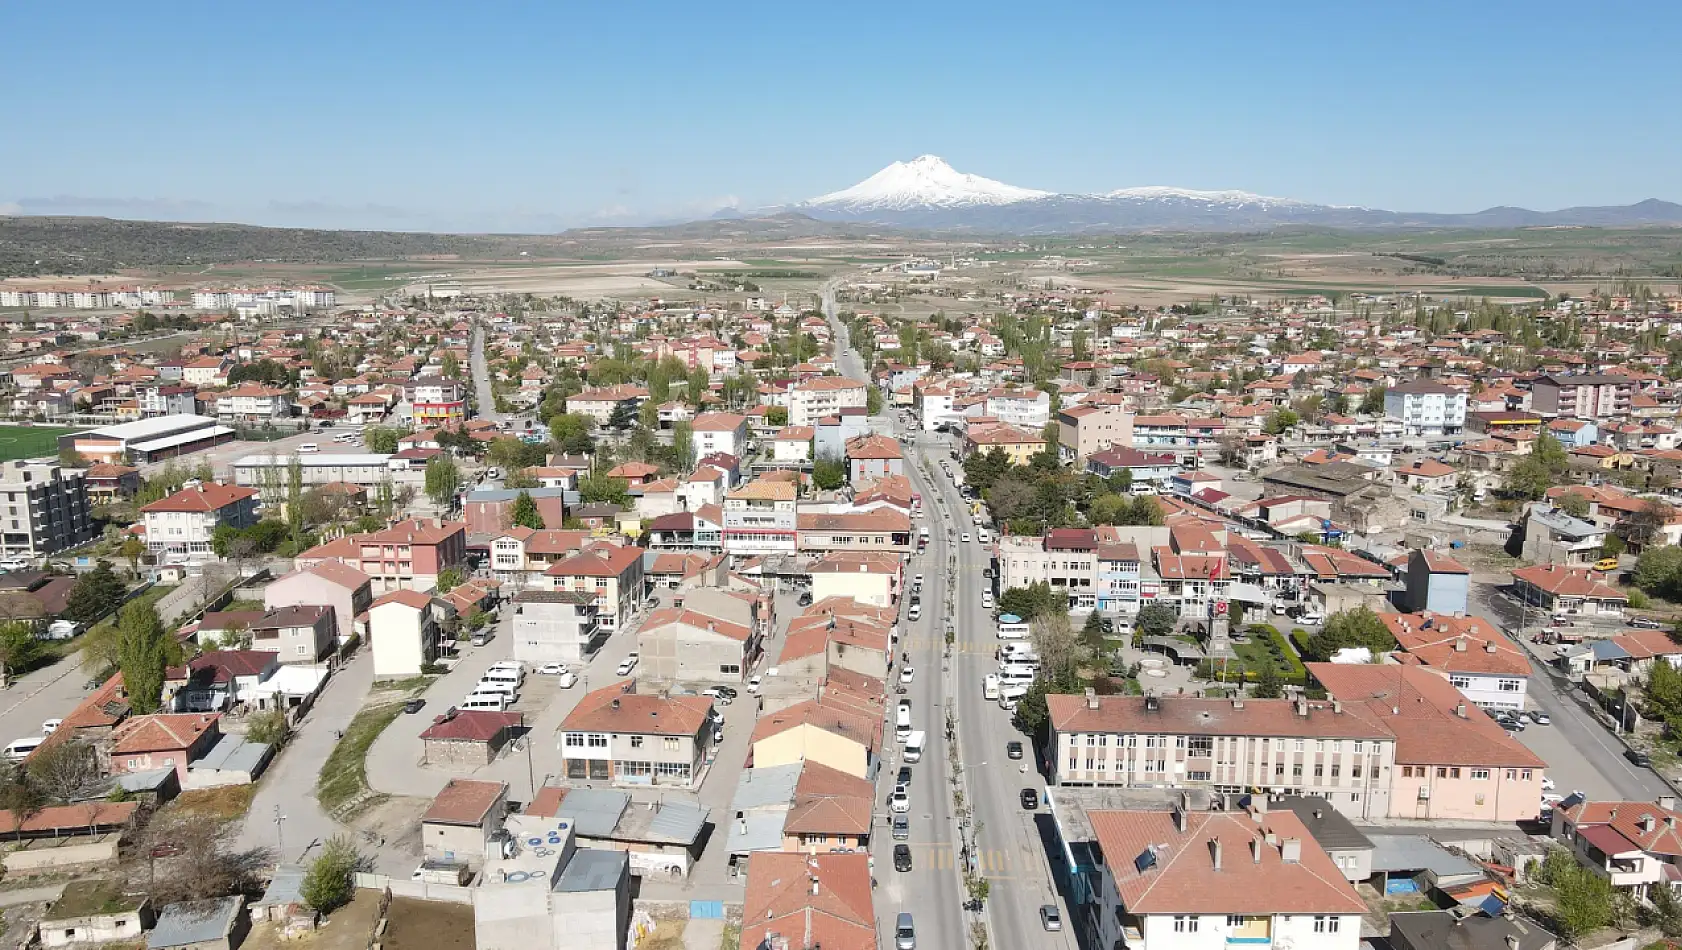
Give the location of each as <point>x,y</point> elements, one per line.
<point>55,854</point>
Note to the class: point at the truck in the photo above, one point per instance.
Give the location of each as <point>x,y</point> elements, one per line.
<point>914,745</point>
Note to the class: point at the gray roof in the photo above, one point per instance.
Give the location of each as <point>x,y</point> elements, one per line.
<point>757,831</point>
<point>593,869</point>
<point>1442,930</point>
<point>1329,827</point>
<point>1413,853</point>
<point>286,887</point>
<point>509,494</point>
<point>1604,650</point>
<point>594,812</point>
<point>195,922</point>
<point>679,821</point>
<point>765,787</point>
<point>149,780</point>
<point>234,753</point>
<point>1563,524</point>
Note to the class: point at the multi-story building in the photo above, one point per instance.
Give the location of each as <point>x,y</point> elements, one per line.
<point>271,475</point>
<point>1195,582</point>
<point>46,508</point>
<point>343,589</point>
<point>439,401</point>
<point>724,432</point>
<point>1066,558</point>
<point>1592,397</point>
<point>1307,748</point>
<point>820,396</point>
<point>616,734</point>
<point>1426,407</point>
<point>295,634</point>
<point>1189,880</point>
<point>1018,445</point>
<point>182,524</point>
<point>872,457</point>
<point>555,626</point>
<point>251,402</point>
<point>760,518</point>
<point>1635,846</point>
<point>601,404</point>
<point>408,555</point>
<point>165,399</point>
<point>1024,408</point>
<point>1084,431</point>
<point>1116,590</point>
<point>879,529</point>
<point>1480,662</point>
<point>613,575</point>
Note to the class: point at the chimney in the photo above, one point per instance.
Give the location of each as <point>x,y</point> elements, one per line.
<point>1237,703</point>
<point>1215,852</point>
<point>1667,802</point>
<point>1460,644</point>
<point>1460,710</point>
<point>616,704</point>
<point>1302,707</point>
<point>1255,850</point>
<point>1337,707</point>
<point>1091,698</point>
<point>814,885</point>
<point>1648,824</point>
<point>1290,850</point>
<point>1182,819</point>
<point>1489,646</point>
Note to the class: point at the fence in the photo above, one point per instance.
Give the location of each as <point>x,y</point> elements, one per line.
<point>418,890</point>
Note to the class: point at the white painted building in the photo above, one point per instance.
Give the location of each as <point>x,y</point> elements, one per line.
<point>1426,408</point>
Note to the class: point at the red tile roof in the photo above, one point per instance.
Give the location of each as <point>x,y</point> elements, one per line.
<point>615,708</point>
<point>464,802</point>
<point>211,497</point>
<point>472,725</point>
<point>780,900</point>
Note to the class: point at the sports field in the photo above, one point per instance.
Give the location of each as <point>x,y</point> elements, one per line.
<point>27,442</point>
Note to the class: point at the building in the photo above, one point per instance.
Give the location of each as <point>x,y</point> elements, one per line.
<point>1153,470</point>
<point>690,643</point>
<point>252,403</point>
<point>797,900</point>
<point>870,457</point>
<point>459,824</point>
<point>468,739</point>
<point>296,634</point>
<point>1289,747</point>
<point>1575,591</point>
<point>94,911</point>
<point>403,633</point>
<point>724,432</point>
<point>601,404</point>
<point>46,508</point>
<point>1350,850</point>
<point>1633,845</point>
<point>843,737</point>
<point>612,575</point>
<point>616,734</point>
<point>183,524</point>
<point>147,440</point>
<point>885,528</point>
<point>1084,431</point>
<point>821,396</point>
<point>163,741</point>
<point>439,402</point>
<point>1553,537</point>
<point>1066,559</point>
<point>409,555</point>
<point>760,518</point>
<point>1436,583</point>
<point>1201,880</point>
<point>1449,930</point>
<point>872,578</point>
<point>1426,408</point>
<point>1480,662</point>
<point>342,589</point>
<point>216,924</point>
<point>1591,397</point>
<point>555,626</point>
<point>271,474</point>
<point>1018,445</point>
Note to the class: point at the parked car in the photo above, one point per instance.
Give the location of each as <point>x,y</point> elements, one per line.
<point>1013,749</point>
<point>904,777</point>
<point>717,694</point>
<point>1639,758</point>
<point>1050,919</point>
<point>906,674</point>
<point>1030,799</point>
<point>552,669</point>
<point>628,664</point>
<point>899,803</point>
<point>902,827</point>
<point>753,684</point>
<point>1539,717</point>
<point>50,725</point>
<point>414,706</point>
<point>902,857</point>
<point>805,599</point>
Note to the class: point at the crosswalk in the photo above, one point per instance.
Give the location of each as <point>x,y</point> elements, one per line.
<point>992,863</point>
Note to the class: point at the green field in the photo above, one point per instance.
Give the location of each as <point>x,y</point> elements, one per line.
<point>27,442</point>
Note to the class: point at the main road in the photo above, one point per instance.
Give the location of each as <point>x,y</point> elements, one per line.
<point>1010,849</point>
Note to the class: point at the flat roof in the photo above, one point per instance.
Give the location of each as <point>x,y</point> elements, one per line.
<point>310,460</point>
<point>147,428</point>
<point>181,438</point>
<point>593,869</point>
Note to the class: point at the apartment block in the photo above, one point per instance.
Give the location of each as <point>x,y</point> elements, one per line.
<point>46,508</point>
<point>1585,396</point>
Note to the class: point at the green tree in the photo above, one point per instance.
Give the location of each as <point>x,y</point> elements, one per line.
<point>450,578</point>
<point>776,416</point>
<point>984,469</point>
<point>1658,571</point>
<point>132,550</point>
<point>19,650</point>
<point>1280,420</point>
<point>524,512</point>
<point>829,474</point>
<point>1033,602</point>
<point>604,489</point>
<point>683,446</point>
<point>1092,633</point>
<point>328,884</point>
<point>451,365</point>
<point>1551,453</point>
<point>143,655</point>
<point>1373,402</point>
<point>1156,620</point>
<point>572,433</point>
<point>1528,480</point>
<point>1356,627</point>
<point>1574,504</point>
<point>97,593</point>
<point>1269,685</point>
<point>443,479</point>
<point>267,728</point>
<point>382,439</point>
<point>873,400</point>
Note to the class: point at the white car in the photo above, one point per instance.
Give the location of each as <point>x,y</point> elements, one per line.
<point>552,669</point>
<point>906,675</point>
<point>628,664</point>
<point>900,803</point>
<point>16,562</point>
<point>50,725</point>
<point>753,684</point>
<point>1548,784</point>
<point>966,537</point>
<point>719,696</point>
<point>987,600</point>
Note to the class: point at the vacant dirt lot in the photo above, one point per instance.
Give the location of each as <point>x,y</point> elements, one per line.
<point>429,925</point>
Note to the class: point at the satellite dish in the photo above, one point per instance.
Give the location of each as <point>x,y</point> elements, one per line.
<point>516,877</point>
<point>534,842</point>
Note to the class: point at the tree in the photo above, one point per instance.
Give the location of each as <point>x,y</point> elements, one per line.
<point>572,433</point>
<point>1280,420</point>
<point>65,770</point>
<point>1269,685</point>
<point>451,365</point>
<point>1156,620</point>
<point>982,470</point>
<point>1528,480</point>
<point>1356,627</point>
<point>132,550</point>
<point>1033,602</point>
<point>142,655</point>
<point>604,489</point>
<point>1574,504</point>
<point>683,446</point>
<point>101,648</point>
<point>19,650</point>
<point>1647,526</point>
<point>381,439</point>
<point>327,884</point>
<point>624,416</point>
<point>1059,649</point>
<point>1551,453</point>
<point>97,593</point>
<point>443,479</point>
<point>873,400</point>
<point>1092,633</point>
<point>776,416</point>
<point>205,860</point>
<point>524,512</point>
<point>1658,571</point>
<point>450,578</point>
<point>268,727</point>
<point>829,474</point>
<point>1373,402</point>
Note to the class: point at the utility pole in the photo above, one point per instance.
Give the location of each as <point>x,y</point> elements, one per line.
<point>279,837</point>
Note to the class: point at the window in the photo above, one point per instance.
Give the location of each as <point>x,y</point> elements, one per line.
<point>1234,921</point>
<point>1460,682</point>
<point>598,740</point>
<point>1179,742</point>
<point>1319,770</point>
<point>1511,686</point>
<point>1091,740</point>
<point>671,744</point>
<point>1338,768</point>
<point>636,742</point>
<point>730,669</point>
<point>575,739</point>
<point>1480,774</point>
<point>1296,771</point>
<point>1525,775</point>
<point>1279,770</point>
<point>1325,924</point>
<point>1454,772</point>
<point>1357,746</point>
<point>1442,772</point>
<point>1091,764</point>
<point>1185,925</point>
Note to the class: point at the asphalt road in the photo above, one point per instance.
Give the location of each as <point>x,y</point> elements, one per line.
<point>484,399</point>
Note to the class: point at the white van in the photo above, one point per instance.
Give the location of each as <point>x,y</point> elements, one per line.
<point>902,722</point>
<point>1012,627</point>
<point>503,677</point>
<point>309,448</point>
<point>20,748</point>
<point>990,686</point>
<point>1011,695</point>
<point>1019,665</point>
<point>513,666</point>
<point>495,702</point>
<point>914,746</point>
<point>501,689</point>
<point>1019,653</point>
<point>1015,676</point>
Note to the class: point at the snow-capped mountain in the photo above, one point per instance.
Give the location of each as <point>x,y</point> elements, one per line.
<point>928,193</point>
<point>925,182</point>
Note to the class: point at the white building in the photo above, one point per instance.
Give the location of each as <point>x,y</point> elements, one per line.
<point>555,626</point>
<point>724,432</point>
<point>760,518</point>
<point>822,396</point>
<point>1026,409</point>
<point>1426,408</point>
<point>251,402</point>
<point>184,523</point>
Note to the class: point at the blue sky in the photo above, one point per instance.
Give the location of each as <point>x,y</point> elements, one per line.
<point>539,116</point>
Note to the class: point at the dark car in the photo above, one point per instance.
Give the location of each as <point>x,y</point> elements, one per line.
<point>1030,799</point>
<point>1013,749</point>
<point>902,857</point>
<point>904,775</point>
<point>1639,758</point>
<point>414,706</point>
<point>805,599</point>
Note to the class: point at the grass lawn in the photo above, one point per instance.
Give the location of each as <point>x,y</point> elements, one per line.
<point>345,773</point>
<point>27,442</point>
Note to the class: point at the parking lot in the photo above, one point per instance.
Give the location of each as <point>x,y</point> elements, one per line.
<point>222,457</point>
